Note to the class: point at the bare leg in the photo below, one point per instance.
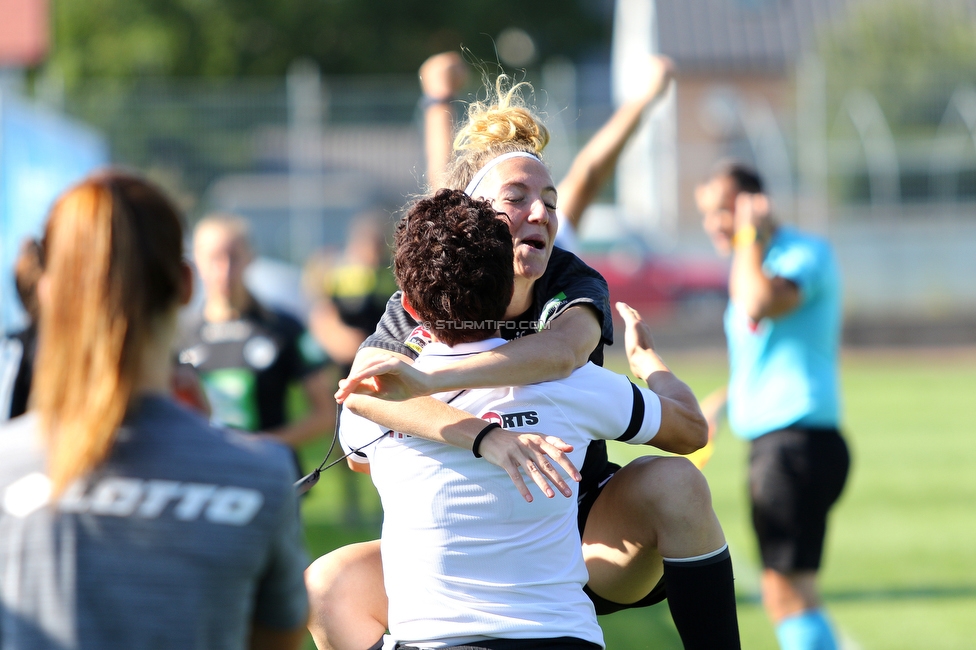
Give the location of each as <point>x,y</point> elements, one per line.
<point>793,603</point>
<point>789,594</point>
<point>651,508</point>
<point>347,598</point>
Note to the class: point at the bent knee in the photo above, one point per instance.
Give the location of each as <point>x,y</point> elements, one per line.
<point>321,574</point>
<point>673,484</point>
<point>343,570</point>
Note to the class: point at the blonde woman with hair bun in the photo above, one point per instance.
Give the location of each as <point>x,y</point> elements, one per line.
<point>647,529</point>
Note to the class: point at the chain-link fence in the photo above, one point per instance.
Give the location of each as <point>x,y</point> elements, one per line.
<point>300,156</point>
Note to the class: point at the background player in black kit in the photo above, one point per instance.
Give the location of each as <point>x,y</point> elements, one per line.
<point>18,350</point>
<point>248,355</point>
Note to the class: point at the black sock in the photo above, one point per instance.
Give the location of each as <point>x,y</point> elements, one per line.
<point>702,601</point>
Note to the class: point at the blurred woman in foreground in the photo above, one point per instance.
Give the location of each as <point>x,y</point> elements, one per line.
<point>127,521</point>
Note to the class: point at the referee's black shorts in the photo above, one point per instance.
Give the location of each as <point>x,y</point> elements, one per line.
<point>795,476</point>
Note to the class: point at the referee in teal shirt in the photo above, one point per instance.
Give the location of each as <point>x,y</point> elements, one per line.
<point>783,326</point>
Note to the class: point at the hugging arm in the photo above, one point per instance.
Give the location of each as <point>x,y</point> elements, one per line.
<point>429,418</point>
<point>550,354</point>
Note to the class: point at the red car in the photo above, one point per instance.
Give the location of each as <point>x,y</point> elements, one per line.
<point>661,287</point>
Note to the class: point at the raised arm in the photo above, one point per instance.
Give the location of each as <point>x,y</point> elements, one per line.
<point>441,77</point>
<point>683,427</point>
<point>759,295</point>
<point>595,163</point>
<point>340,341</point>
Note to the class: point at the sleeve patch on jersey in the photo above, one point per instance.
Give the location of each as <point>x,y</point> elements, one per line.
<point>550,308</point>
<point>636,415</point>
<point>418,339</point>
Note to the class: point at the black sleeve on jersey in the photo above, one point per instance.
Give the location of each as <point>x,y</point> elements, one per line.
<point>636,415</point>
<point>393,329</point>
<point>568,274</point>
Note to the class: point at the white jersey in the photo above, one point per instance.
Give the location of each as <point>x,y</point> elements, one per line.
<point>465,557</point>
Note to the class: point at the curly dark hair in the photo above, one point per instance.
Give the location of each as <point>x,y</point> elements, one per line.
<point>453,259</point>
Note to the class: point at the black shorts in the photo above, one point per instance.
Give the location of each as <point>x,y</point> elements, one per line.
<point>561,643</point>
<point>591,485</point>
<point>795,476</point>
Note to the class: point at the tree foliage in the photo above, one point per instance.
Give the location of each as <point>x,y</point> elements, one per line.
<point>127,38</point>
<point>910,54</point>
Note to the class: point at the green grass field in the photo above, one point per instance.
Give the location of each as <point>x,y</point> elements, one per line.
<point>900,568</point>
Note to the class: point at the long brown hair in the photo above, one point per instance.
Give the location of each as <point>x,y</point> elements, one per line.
<point>113,251</point>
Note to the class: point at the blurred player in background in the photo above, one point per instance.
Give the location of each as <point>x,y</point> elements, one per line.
<point>443,75</point>
<point>126,520</point>
<point>349,297</point>
<point>247,355</point>
<point>783,328</point>
<point>17,351</point>
<point>351,293</point>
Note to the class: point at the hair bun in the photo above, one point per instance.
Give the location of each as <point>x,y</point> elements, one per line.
<point>502,118</point>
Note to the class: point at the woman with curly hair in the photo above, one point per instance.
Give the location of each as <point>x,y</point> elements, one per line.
<point>648,529</point>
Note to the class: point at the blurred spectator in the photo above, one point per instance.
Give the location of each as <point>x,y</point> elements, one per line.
<point>164,532</point>
<point>248,355</point>
<point>17,351</point>
<point>351,293</point>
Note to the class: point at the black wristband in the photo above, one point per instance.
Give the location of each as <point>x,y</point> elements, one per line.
<point>427,101</point>
<point>481,436</point>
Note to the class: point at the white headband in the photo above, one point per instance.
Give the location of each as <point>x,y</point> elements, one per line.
<point>491,164</point>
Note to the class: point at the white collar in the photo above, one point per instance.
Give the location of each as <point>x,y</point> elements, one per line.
<point>438,349</point>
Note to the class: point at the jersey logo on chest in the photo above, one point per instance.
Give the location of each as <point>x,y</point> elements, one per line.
<point>512,420</point>
<point>260,352</point>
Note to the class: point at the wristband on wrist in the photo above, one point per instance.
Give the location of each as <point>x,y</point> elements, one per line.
<point>481,436</point>
<point>745,236</point>
<point>427,101</point>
